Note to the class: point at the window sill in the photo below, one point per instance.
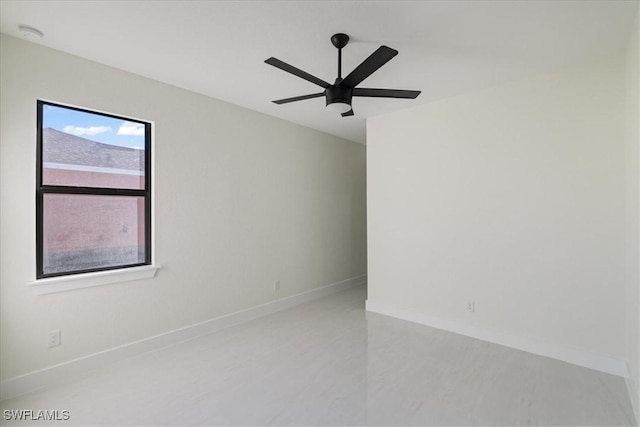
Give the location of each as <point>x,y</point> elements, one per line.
<point>78,281</point>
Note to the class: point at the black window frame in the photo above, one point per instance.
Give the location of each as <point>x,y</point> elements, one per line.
<point>42,190</point>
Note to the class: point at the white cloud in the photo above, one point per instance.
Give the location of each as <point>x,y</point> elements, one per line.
<point>130,128</point>
<point>91,130</point>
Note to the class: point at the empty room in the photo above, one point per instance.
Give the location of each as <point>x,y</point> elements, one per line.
<point>390,213</point>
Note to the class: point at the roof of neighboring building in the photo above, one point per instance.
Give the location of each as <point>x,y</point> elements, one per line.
<point>60,147</point>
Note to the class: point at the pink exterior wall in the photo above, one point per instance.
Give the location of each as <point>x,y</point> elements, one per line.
<point>91,179</point>
<point>80,222</point>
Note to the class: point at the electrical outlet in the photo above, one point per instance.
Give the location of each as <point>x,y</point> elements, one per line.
<point>471,306</point>
<point>276,285</point>
<point>53,338</point>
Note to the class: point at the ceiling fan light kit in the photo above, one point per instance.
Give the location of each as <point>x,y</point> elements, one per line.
<point>339,95</point>
<point>338,107</point>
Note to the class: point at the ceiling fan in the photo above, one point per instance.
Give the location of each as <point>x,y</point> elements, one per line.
<point>339,94</point>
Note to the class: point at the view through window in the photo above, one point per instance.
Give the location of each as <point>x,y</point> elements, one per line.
<point>93,191</point>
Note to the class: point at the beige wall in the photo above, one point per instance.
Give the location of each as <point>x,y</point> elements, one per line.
<point>633,216</point>
<point>241,200</point>
<point>512,197</point>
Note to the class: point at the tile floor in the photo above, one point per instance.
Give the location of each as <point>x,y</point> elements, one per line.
<point>329,362</point>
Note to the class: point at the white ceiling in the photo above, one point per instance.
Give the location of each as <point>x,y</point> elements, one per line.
<point>217,48</point>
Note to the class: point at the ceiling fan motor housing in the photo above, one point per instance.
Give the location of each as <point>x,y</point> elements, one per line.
<point>338,93</point>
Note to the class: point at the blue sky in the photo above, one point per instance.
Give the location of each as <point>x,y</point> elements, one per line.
<point>94,126</point>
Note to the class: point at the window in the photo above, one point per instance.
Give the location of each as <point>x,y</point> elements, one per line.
<point>93,195</point>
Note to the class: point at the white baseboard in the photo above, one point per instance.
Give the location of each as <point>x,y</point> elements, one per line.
<point>77,368</point>
<point>573,355</point>
<point>634,395</point>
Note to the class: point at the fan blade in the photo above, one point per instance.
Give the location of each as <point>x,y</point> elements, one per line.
<point>298,98</point>
<point>348,113</point>
<point>296,72</point>
<point>376,60</point>
<point>386,93</point>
